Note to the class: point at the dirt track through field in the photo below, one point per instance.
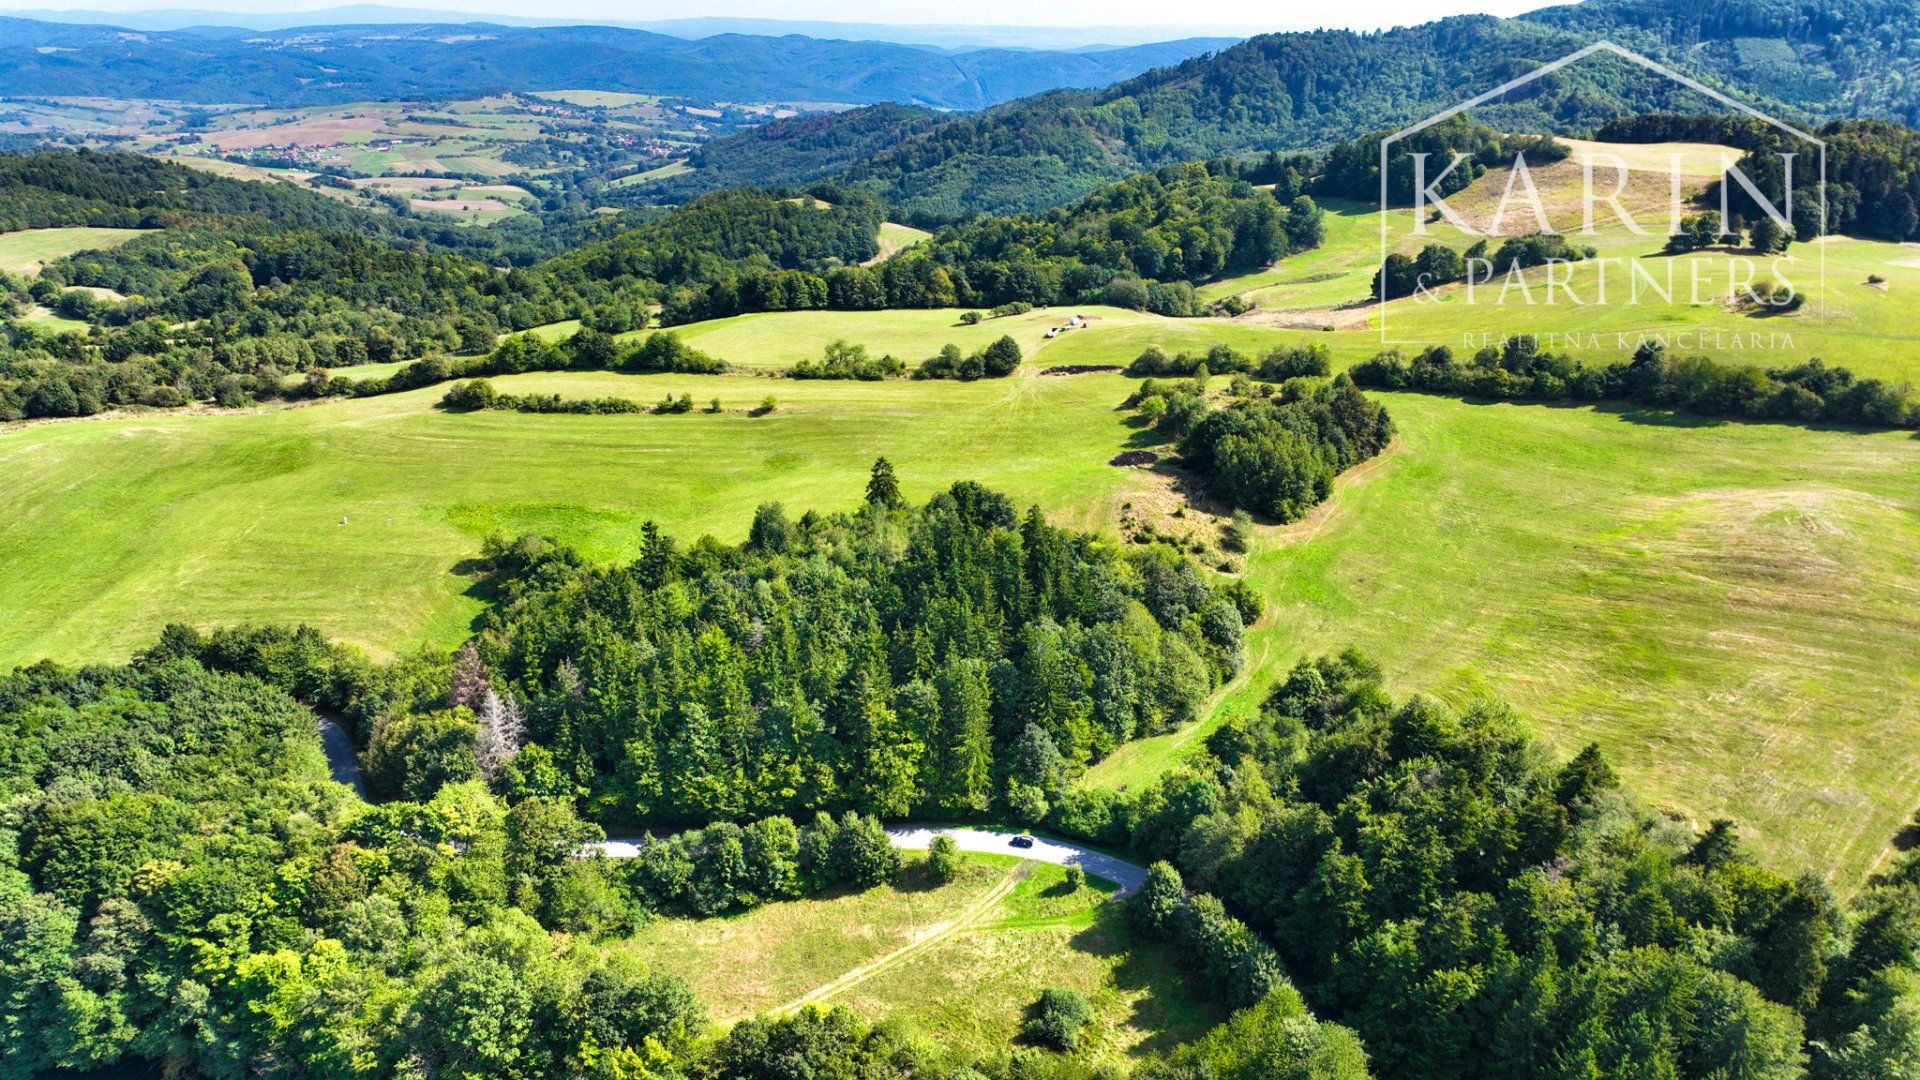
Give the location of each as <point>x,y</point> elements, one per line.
<point>936,934</point>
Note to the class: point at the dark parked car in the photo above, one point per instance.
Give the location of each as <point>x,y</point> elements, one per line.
<point>1021,842</point>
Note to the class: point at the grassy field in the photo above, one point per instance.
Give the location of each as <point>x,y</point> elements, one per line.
<point>959,962</point>
<point>1846,321</point>
<point>647,176</point>
<point>26,251</point>
<point>895,238</point>
<point>780,339</point>
<point>44,320</point>
<point>229,505</point>
<point>1728,608</point>
<point>1322,295</point>
<point>971,991</point>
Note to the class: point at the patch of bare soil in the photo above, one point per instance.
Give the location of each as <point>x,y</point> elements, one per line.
<point>328,131</point>
<point>1352,317</point>
<point>408,183</point>
<point>1644,193</point>
<point>459,204</point>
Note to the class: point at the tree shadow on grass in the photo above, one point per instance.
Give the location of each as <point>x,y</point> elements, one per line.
<point>1652,416</point>
<point>1660,416</point>
<point>916,877</point>
<point>1192,489</point>
<point>478,588</point>
<point>1908,837</point>
<point>1171,1004</point>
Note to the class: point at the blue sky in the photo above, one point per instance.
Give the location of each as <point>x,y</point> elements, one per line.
<point>1236,15</point>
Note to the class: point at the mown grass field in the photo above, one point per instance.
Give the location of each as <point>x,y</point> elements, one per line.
<point>781,339</point>
<point>24,252</point>
<point>1726,607</point>
<point>972,990</point>
<point>240,517</point>
<point>1868,328</point>
<point>959,962</point>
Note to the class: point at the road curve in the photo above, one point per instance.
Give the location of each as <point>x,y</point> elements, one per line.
<point>345,767</point>
<point>341,761</point>
<point>1129,876</point>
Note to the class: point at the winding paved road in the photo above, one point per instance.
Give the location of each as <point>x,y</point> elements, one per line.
<point>341,761</point>
<point>1129,876</point>
<point>345,767</point>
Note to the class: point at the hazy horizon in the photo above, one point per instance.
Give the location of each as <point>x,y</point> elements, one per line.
<point>1233,16</point>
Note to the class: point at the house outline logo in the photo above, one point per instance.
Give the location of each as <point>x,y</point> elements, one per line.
<point>1602,46</point>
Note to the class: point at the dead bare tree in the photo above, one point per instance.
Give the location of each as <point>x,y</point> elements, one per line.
<point>502,732</point>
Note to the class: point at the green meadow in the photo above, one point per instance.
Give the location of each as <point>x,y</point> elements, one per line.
<point>355,514</point>
<point>960,962</point>
<point>24,252</point>
<point>781,339</point>
<point>1726,607</point>
<point>1846,321</point>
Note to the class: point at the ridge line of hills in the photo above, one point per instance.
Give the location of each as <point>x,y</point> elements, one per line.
<point>1293,91</point>
<point>316,65</point>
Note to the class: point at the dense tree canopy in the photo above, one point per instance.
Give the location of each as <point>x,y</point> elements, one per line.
<point>1470,908</point>
<point>1181,224</point>
<point>949,659</point>
<point>1520,370</point>
<point>1273,454</point>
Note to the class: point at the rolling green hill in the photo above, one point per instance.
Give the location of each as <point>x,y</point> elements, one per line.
<point>1590,563</point>
<point>1296,91</point>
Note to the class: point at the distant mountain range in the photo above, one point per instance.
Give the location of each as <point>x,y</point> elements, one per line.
<point>333,64</point>
<point>1046,38</point>
<point>1807,60</point>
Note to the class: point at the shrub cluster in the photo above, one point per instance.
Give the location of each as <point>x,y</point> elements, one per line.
<point>1057,1019</point>
<point>586,350</point>
<point>1274,456</point>
<point>996,361</point>
<point>844,361</point>
<point>727,868</point>
<point>1519,370</point>
<point>480,394</point>
<point>1438,264</point>
<point>1277,364</point>
<point>1235,965</point>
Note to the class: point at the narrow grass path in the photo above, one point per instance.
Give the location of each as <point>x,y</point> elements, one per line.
<point>934,935</point>
<point>930,938</point>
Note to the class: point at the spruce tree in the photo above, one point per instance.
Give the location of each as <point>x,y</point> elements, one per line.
<point>883,488</point>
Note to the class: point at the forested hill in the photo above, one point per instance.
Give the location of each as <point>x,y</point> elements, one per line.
<point>1292,91</point>
<point>325,64</point>
<point>129,191</point>
<point>795,151</point>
